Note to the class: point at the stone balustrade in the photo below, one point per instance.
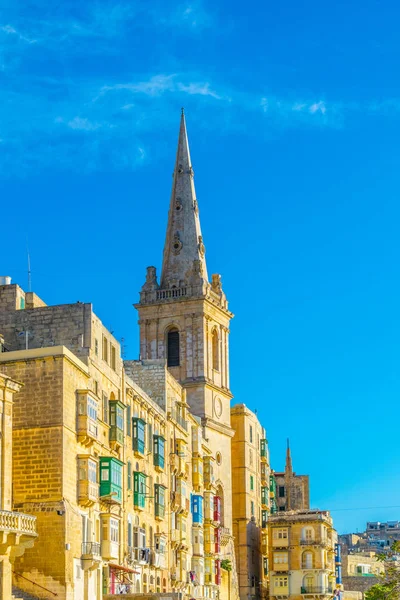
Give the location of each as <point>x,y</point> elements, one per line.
<point>15,522</point>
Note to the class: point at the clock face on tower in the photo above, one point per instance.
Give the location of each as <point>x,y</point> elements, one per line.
<point>217,407</point>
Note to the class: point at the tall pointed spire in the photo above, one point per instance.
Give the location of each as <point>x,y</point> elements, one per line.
<point>184,253</point>
<point>289,467</point>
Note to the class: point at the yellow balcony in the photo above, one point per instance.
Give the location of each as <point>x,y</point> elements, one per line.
<point>109,550</point>
<point>181,467</point>
<point>87,430</point>
<point>173,461</point>
<point>178,576</point>
<point>264,548</point>
<point>88,492</point>
<point>281,567</point>
<point>197,479</point>
<point>280,542</point>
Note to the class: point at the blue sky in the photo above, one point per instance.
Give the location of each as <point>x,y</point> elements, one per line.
<point>293,113</point>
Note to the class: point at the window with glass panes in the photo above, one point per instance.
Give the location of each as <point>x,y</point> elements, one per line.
<point>138,435</point>
<point>159,451</point>
<point>159,497</point>
<point>114,530</point>
<point>139,489</point>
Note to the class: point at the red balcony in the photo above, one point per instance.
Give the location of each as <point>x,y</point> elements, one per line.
<point>218,577</point>
<point>217,540</point>
<point>217,509</point>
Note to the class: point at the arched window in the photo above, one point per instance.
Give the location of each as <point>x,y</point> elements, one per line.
<point>307,534</point>
<point>307,560</point>
<point>220,495</point>
<point>173,348</point>
<point>215,350</point>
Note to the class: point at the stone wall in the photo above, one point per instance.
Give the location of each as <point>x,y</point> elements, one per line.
<point>359,584</point>
<point>66,324</point>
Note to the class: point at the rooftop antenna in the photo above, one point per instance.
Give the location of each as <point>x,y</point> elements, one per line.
<point>29,268</point>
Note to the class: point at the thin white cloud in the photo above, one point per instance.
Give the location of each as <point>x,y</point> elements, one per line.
<point>82,124</point>
<point>318,107</point>
<point>160,84</point>
<point>11,31</point>
<point>198,89</point>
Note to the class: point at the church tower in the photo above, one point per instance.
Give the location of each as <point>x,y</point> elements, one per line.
<point>184,319</point>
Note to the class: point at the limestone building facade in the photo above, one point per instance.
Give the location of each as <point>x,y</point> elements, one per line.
<point>303,555</point>
<point>251,501</point>
<point>17,530</point>
<point>109,460</point>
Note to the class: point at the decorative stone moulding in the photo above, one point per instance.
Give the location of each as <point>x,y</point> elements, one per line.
<point>177,244</point>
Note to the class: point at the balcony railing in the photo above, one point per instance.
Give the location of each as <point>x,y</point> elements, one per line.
<point>140,555</point>
<point>179,419</point>
<point>315,542</point>
<point>15,522</point>
<point>174,293</point>
<point>91,549</point>
<point>316,590</point>
<point>225,535</point>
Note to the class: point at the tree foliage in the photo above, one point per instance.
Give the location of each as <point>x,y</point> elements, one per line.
<point>389,586</point>
<point>226,565</point>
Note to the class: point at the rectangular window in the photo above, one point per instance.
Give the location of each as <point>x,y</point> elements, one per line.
<point>92,471</point>
<point>263,448</point>
<point>159,451</point>
<point>139,537</point>
<point>264,518</point>
<point>264,496</point>
<point>251,434</point>
<point>159,497</point>
<point>280,582</point>
<point>87,470</point>
<point>129,475</point>
<point>92,408</point>
<point>105,408</point>
<point>138,435</point>
<point>111,478</point>
<point>96,347</point>
<point>280,558</point>
<point>114,530</point>
<point>116,415</point>
<point>252,508</point>
<point>128,420</point>
<point>139,489</point>
<point>113,358</point>
<point>105,349</point>
<point>149,438</point>
<point>281,491</point>
<point>280,534</point>
<point>251,482</point>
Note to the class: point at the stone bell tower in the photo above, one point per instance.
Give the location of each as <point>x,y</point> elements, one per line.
<point>184,319</point>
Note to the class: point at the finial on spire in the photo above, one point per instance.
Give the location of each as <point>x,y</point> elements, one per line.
<point>182,111</point>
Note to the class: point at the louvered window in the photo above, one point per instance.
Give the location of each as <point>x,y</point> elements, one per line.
<point>173,348</point>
